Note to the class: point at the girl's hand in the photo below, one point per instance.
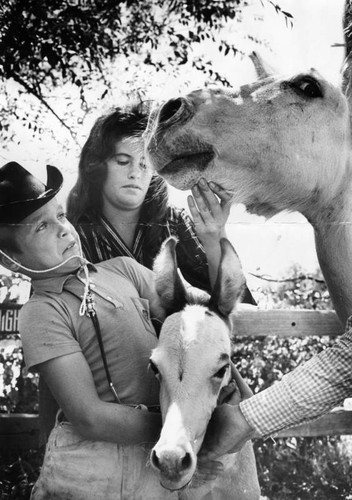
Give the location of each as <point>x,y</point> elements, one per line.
<point>210,208</point>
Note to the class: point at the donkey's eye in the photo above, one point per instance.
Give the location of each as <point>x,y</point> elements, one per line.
<point>308,86</point>
<point>154,367</point>
<point>221,373</point>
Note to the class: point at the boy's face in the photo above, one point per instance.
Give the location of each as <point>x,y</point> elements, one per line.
<point>46,239</point>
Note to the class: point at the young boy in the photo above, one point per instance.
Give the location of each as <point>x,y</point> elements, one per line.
<point>88,331</point>
<point>61,343</point>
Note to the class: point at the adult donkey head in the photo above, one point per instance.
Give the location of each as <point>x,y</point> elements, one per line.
<point>281,143</point>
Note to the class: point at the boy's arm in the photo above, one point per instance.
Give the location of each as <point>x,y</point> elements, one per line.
<point>70,380</point>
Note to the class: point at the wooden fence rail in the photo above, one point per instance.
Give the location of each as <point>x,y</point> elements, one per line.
<point>21,431</point>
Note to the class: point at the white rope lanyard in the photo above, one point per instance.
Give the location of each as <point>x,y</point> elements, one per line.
<point>85,280</point>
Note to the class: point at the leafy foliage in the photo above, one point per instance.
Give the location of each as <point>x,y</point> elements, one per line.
<point>47,42</point>
<point>73,44</point>
<point>264,360</point>
<point>19,473</point>
<point>304,468</point>
<point>18,390</point>
<point>293,468</point>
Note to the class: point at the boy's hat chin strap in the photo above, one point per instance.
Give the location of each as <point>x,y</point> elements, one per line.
<point>79,256</point>
<point>41,271</point>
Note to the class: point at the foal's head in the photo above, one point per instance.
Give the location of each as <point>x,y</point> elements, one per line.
<point>191,361</point>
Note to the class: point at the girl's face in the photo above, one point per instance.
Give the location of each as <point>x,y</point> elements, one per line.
<point>128,177</point>
<point>46,239</point>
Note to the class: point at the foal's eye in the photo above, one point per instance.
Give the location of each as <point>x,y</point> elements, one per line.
<point>154,368</point>
<point>221,373</point>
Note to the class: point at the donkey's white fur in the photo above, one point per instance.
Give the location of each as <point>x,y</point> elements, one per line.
<point>281,143</point>
<point>192,362</point>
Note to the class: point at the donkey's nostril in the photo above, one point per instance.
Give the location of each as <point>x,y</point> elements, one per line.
<point>154,459</point>
<point>169,109</point>
<point>186,461</point>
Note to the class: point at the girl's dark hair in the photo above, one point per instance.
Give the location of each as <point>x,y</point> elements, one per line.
<point>85,198</point>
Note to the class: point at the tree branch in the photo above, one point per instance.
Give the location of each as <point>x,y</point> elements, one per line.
<point>41,99</point>
<point>301,277</point>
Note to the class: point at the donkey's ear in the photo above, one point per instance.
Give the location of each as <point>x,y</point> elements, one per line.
<point>230,281</point>
<point>262,68</point>
<point>168,283</point>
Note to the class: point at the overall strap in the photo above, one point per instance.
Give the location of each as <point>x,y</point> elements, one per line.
<point>90,310</point>
<point>93,316</point>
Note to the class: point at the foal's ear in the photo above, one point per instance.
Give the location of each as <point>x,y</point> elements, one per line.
<point>230,281</point>
<point>168,283</point>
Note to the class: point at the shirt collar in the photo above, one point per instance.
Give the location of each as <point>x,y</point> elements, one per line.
<point>56,284</point>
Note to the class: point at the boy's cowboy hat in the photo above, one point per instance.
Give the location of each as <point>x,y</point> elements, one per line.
<point>21,193</point>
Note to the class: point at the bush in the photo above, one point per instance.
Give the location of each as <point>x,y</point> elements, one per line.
<point>19,473</point>
<point>304,468</point>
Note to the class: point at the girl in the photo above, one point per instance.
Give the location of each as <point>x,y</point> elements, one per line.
<point>120,207</point>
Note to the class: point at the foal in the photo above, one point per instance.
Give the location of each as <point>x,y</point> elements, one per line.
<point>193,363</point>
